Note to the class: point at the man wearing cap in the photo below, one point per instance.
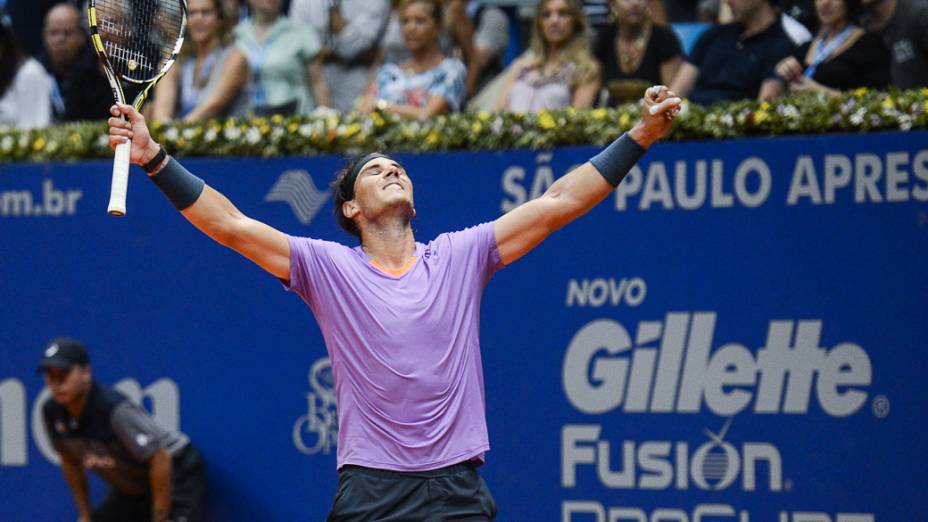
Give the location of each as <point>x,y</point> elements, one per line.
<point>155,473</point>
<point>400,319</point>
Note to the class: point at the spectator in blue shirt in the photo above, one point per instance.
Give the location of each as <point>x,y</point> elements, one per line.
<point>736,61</point>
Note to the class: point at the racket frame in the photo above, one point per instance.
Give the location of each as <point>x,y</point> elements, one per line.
<point>120,178</point>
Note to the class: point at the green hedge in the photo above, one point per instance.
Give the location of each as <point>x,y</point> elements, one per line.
<point>856,111</point>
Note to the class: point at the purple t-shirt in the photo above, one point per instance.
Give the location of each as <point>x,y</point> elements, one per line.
<point>405,350</point>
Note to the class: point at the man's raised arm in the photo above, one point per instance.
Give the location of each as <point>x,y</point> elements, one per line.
<point>523,228</point>
<point>207,209</point>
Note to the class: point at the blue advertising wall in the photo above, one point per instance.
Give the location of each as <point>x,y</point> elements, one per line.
<point>738,333</point>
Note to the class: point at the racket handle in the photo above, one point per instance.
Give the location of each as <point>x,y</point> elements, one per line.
<point>117,206</point>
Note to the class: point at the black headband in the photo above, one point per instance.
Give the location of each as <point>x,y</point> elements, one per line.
<point>347,188</point>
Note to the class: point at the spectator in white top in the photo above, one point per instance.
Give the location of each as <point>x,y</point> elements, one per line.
<point>350,32</point>
<point>25,88</point>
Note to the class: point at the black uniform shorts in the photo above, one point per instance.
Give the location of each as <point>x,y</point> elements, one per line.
<point>456,493</point>
<point>188,494</point>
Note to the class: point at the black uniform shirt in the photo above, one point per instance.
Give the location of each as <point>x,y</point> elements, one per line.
<point>114,437</point>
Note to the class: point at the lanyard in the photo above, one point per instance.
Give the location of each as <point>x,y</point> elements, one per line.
<point>822,51</point>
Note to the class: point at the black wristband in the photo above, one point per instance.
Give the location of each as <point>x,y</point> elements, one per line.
<point>180,186</point>
<point>614,162</point>
<point>156,161</point>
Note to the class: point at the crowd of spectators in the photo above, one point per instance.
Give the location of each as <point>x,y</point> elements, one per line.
<point>419,58</point>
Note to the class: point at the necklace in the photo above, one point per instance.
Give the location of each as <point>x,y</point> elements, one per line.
<point>631,52</point>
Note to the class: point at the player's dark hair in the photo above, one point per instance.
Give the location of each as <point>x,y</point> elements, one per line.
<point>343,190</point>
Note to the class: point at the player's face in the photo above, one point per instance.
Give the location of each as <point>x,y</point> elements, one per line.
<point>67,385</point>
<point>382,184</point>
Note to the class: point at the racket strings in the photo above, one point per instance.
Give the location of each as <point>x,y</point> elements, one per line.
<point>140,37</point>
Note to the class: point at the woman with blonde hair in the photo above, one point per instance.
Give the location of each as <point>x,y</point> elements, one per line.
<point>559,71</point>
<point>208,80</point>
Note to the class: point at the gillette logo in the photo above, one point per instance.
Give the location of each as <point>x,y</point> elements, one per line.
<point>671,369</point>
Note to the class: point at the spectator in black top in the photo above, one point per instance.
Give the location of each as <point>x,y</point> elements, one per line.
<point>736,61</point>
<point>155,472</point>
<point>903,26</point>
<point>843,56</point>
<point>81,91</point>
<point>635,53</point>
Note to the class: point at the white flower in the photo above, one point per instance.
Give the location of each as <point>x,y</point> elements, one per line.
<point>6,144</point>
<point>232,133</point>
<point>305,130</point>
<point>788,111</point>
<point>23,141</point>
<point>253,136</point>
<point>103,141</point>
<point>171,134</point>
<point>210,135</point>
<point>727,120</point>
<point>190,133</point>
<point>278,132</point>
<point>858,117</point>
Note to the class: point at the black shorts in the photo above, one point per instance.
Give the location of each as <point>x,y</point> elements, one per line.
<point>188,494</point>
<point>453,493</point>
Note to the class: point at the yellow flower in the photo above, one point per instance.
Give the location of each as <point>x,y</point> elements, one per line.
<point>624,119</point>
<point>764,106</point>
<point>75,138</point>
<point>351,130</point>
<point>860,91</point>
<point>476,127</point>
<point>484,115</point>
<point>761,116</point>
<point>924,91</point>
<point>277,118</point>
<point>38,144</point>
<point>599,114</point>
<point>545,121</point>
<point>292,127</point>
<point>888,103</point>
<point>378,119</point>
<point>264,128</point>
<point>432,138</point>
<point>925,105</point>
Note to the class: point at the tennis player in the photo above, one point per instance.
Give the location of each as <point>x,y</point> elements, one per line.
<point>400,318</point>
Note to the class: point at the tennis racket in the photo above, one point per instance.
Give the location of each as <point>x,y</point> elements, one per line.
<point>137,42</point>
